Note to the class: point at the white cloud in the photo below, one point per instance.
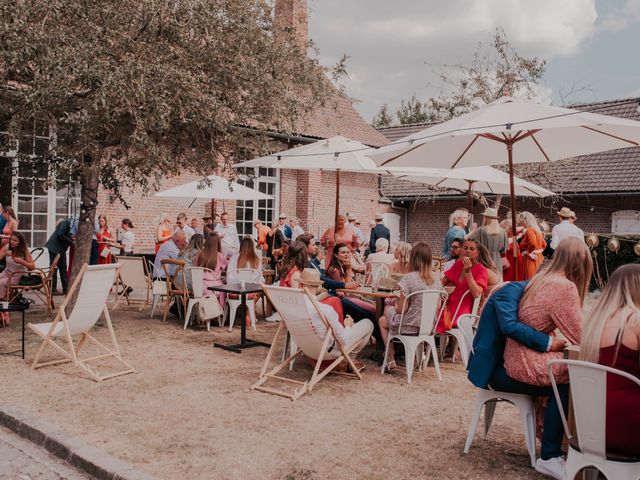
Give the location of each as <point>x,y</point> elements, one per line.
<point>620,18</point>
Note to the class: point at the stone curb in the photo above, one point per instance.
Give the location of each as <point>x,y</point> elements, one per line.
<point>74,451</point>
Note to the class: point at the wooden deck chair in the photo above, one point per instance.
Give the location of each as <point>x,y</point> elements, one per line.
<point>94,284</point>
<point>291,304</point>
<point>133,274</point>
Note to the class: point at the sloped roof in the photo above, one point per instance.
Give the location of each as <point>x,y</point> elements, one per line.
<point>612,171</point>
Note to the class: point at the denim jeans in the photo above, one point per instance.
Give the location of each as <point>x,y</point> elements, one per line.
<point>552,430</point>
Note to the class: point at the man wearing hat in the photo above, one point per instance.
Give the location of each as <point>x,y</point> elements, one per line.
<point>379,231</point>
<point>354,224</point>
<point>349,334</point>
<point>565,228</point>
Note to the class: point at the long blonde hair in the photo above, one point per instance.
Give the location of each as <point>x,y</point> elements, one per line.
<point>404,249</point>
<point>529,220</point>
<point>622,290</point>
<point>492,226</point>
<point>484,257</point>
<point>420,261</point>
<point>571,259</point>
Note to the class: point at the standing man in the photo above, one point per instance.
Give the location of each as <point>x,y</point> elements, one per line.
<point>208,226</point>
<point>195,226</point>
<point>354,224</point>
<point>262,231</point>
<point>228,235</point>
<point>565,228</point>
<point>296,229</point>
<point>181,225</point>
<point>379,231</point>
<point>58,244</point>
<point>283,227</point>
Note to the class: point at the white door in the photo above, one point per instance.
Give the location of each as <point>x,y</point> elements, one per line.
<point>392,222</point>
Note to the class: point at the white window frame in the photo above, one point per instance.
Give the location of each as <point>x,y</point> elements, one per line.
<point>256,179</point>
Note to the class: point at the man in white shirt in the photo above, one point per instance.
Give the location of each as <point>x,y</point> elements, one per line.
<point>296,229</point>
<point>354,224</point>
<point>228,235</point>
<point>182,226</point>
<point>565,229</point>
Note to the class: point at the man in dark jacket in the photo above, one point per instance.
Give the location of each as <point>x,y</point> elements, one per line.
<point>499,320</point>
<point>58,244</point>
<point>378,231</point>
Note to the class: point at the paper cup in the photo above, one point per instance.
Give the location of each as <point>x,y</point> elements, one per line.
<point>5,305</point>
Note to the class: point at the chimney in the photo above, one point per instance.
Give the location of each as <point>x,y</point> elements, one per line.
<point>292,15</point>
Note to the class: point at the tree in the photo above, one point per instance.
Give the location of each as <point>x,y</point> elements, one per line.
<point>135,91</point>
<point>383,118</point>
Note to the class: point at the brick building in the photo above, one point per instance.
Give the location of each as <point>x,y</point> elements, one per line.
<point>603,189</point>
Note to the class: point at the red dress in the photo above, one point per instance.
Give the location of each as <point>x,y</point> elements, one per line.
<point>623,399</point>
<point>103,236</point>
<point>480,275</point>
<point>508,274</point>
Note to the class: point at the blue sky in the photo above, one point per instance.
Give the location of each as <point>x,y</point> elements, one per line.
<point>592,47</point>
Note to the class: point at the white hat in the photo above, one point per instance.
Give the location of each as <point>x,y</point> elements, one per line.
<point>379,216</point>
<point>491,213</point>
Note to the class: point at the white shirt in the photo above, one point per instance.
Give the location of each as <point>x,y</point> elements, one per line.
<point>358,233</point>
<point>232,271</point>
<point>230,241</point>
<point>127,240</point>
<point>564,229</point>
<point>342,332</point>
<point>188,232</point>
<point>296,231</point>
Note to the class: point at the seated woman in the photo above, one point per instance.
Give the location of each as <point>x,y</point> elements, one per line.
<point>419,278</point>
<point>402,254</point>
<point>340,270</point>
<point>211,257</point>
<point>611,337</point>
<point>467,275</point>
<point>188,254</point>
<point>19,261</point>
<point>493,276</point>
<point>246,258</point>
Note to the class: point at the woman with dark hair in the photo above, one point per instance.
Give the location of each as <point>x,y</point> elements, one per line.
<point>340,270</point>
<point>294,261</point>
<point>212,258</point>
<point>128,238</point>
<point>18,260</point>
<point>245,258</point>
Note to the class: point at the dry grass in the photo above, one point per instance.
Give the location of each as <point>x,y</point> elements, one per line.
<point>189,412</point>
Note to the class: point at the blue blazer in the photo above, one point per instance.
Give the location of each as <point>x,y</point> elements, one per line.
<point>499,320</point>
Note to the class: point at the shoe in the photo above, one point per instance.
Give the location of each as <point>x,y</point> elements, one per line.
<point>553,467</point>
<point>57,293</point>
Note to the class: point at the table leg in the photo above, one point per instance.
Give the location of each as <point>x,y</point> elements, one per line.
<point>23,334</point>
<point>244,341</point>
<point>379,308</point>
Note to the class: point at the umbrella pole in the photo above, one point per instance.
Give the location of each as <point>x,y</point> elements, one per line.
<point>470,197</point>
<point>514,262</point>
<point>335,219</point>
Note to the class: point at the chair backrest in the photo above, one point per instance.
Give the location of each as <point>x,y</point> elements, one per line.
<point>36,253</point>
<point>374,272</point>
<point>196,274</point>
<point>291,304</point>
<point>437,264</point>
<point>94,282</point>
<point>53,268</point>
<point>589,397</point>
<point>465,324</point>
<point>431,311</point>
<point>174,273</point>
<point>133,271</point>
<point>247,275</point>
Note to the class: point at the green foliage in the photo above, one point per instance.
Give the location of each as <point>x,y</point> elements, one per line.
<point>606,261</point>
<point>383,118</point>
<point>413,111</point>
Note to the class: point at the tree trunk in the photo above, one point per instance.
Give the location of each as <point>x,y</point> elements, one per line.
<point>496,203</point>
<point>89,180</point>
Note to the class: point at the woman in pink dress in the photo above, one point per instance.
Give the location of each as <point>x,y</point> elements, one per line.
<point>211,257</point>
<point>343,234</point>
<point>104,241</point>
<point>552,300</point>
<point>19,260</point>
<point>466,275</point>
<point>10,226</point>
<point>340,270</point>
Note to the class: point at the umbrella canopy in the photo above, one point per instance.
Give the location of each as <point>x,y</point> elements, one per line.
<point>481,179</point>
<point>215,188</point>
<point>335,154</point>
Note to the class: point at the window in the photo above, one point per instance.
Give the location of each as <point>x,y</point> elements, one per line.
<point>625,221</point>
<point>264,180</point>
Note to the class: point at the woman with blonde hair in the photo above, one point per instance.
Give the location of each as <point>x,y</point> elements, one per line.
<point>10,226</point>
<point>532,245</point>
<point>164,230</point>
<point>611,337</point>
<point>419,278</point>
<point>458,221</point>
<point>492,236</point>
<point>402,254</point>
<point>105,240</point>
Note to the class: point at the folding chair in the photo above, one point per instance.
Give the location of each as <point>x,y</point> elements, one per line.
<point>429,317</point>
<point>41,290</point>
<point>132,274</point>
<point>589,398</point>
<point>94,283</point>
<point>292,306</point>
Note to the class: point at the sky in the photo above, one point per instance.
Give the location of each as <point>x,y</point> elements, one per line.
<point>592,48</point>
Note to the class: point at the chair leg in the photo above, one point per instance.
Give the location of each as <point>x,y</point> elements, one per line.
<point>252,314</point>
<point>432,345</point>
<point>384,359</point>
<point>233,307</point>
<point>489,410</point>
<point>409,358</point>
<point>474,422</point>
<point>187,317</point>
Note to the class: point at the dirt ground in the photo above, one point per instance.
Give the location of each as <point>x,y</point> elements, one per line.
<point>189,412</point>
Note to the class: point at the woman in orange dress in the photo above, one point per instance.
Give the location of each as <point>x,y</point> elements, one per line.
<point>532,245</point>
<point>343,234</point>
<point>104,241</point>
<point>163,231</point>
<point>508,272</point>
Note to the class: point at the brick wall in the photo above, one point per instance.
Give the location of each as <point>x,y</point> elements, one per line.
<point>428,220</point>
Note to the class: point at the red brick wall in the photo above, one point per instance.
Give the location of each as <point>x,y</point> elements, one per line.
<point>428,220</point>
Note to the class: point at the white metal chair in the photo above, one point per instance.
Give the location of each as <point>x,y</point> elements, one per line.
<point>94,283</point>
<point>291,303</point>
<point>374,272</point>
<point>488,398</point>
<point>456,333</point>
<point>589,397</point>
<point>196,274</point>
<point>247,275</point>
<point>133,273</point>
<point>158,288</point>
<point>430,315</point>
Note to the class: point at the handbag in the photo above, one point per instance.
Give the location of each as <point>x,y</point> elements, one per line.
<point>29,280</point>
<point>447,319</point>
<point>208,308</point>
<point>105,252</point>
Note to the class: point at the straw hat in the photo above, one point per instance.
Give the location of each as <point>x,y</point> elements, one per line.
<point>310,277</point>
<point>353,218</point>
<point>379,216</point>
<point>565,212</point>
<point>491,213</point>
<point>573,215</point>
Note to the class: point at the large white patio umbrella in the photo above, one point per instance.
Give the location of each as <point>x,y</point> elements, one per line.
<point>480,179</point>
<point>506,132</point>
<point>335,154</point>
<point>214,188</point>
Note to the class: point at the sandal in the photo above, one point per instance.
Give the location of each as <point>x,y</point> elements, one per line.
<point>391,366</point>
